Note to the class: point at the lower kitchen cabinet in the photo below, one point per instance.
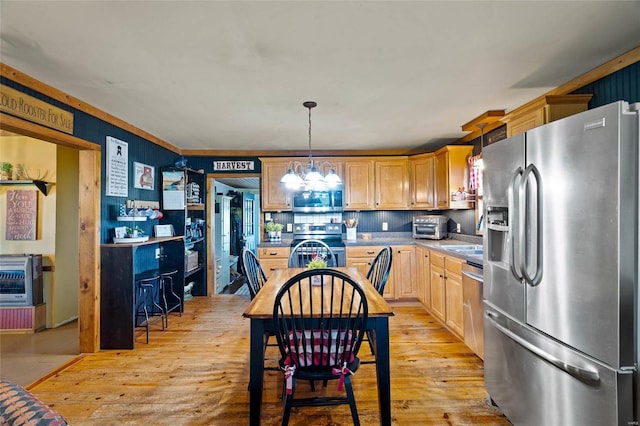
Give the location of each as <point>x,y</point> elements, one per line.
<point>402,279</point>
<point>438,303</point>
<point>453,294</point>
<point>401,283</point>
<point>423,276</point>
<point>361,257</point>
<point>446,291</point>
<point>272,258</point>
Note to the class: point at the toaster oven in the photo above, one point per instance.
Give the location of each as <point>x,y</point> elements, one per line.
<point>433,227</point>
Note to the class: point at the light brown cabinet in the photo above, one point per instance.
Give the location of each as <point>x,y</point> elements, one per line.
<point>425,181</point>
<point>361,257</point>
<point>543,110</point>
<point>446,291</point>
<point>392,183</point>
<point>273,194</point>
<point>402,281</point>
<point>438,303</point>
<point>423,276</point>
<point>272,258</point>
<point>453,294</point>
<point>402,278</point>
<point>452,176</point>
<point>422,181</point>
<point>359,183</point>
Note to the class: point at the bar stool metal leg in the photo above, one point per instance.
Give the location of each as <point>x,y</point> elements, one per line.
<point>166,282</point>
<point>147,288</point>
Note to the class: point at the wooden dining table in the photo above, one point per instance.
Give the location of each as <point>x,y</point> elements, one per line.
<point>260,312</point>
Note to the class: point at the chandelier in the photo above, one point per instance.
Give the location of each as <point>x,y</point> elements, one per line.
<point>307,176</point>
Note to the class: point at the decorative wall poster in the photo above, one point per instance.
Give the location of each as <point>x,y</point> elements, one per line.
<point>173,195</point>
<point>117,167</point>
<point>22,214</point>
<point>143,176</point>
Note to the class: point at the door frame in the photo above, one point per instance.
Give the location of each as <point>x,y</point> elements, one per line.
<point>89,184</point>
<point>211,204</point>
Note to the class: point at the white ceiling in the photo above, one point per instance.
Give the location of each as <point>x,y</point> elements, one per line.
<point>232,75</point>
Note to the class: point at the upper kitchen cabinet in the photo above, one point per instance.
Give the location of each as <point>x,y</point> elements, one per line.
<point>359,183</point>
<point>452,177</point>
<point>274,195</point>
<point>422,181</point>
<point>392,183</point>
<point>543,110</point>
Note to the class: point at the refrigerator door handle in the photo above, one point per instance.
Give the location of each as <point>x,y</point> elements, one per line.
<point>586,375</point>
<point>513,224</point>
<point>536,204</point>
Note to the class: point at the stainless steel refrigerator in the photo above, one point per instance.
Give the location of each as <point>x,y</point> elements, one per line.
<point>561,270</point>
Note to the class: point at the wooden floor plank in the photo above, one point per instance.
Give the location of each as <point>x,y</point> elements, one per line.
<point>195,373</point>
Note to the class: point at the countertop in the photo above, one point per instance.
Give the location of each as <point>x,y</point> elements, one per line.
<point>385,239</point>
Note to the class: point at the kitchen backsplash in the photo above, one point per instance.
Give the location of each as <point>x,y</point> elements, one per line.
<point>397,221</point>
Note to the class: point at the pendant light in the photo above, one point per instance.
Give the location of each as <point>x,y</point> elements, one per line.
<point>479,163</point>
<point>301,176</point>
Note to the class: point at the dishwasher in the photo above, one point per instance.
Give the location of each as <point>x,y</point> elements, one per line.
<point>473,310</point>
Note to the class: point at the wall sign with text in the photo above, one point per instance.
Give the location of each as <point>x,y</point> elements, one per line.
<point>22,214</point>
<point>233,166</point>
<point>117,167</point>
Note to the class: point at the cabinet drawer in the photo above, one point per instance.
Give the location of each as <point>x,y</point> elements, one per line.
<point>270,265</point>
<point>437,258</point>
<point>363,251</point>
<point>454,265</point>
<point>273,253</point>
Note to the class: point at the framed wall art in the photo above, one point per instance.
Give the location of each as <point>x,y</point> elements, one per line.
<point>143,176</point>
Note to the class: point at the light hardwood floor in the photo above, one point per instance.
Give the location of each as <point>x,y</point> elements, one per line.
<point>195,373</point>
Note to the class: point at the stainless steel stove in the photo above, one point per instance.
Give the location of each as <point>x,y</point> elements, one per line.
<point>329,233</point>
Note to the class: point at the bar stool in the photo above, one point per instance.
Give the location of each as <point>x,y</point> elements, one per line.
<point>147,286</point>
<point>166,285</point>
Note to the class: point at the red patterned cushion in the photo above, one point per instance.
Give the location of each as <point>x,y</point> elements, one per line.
<point>319,348</point>
<point>20,407</point>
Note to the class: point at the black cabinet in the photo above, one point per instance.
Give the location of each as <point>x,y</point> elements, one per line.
<point>183,207</point>
<point>120,263</point>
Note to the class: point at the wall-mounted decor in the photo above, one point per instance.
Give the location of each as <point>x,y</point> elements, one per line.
<point>173,195</point>
<point>117,167</point>
<point>143,176</point>
<point>22,214</point>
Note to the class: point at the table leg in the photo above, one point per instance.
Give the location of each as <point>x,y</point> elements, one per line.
<point>382,369</point>
<point>256,371</point>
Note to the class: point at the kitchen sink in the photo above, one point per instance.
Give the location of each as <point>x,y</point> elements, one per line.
<point>468,249</point>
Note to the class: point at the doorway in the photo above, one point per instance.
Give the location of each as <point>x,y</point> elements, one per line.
<point>86,223</point>
<point>235,224</point>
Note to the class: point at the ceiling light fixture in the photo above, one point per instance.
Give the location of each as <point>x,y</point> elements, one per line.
<point>307,176</point>
<point>479,163</point>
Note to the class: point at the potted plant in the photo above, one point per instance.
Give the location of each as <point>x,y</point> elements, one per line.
<point>274,230</point>
<point>5,170</point>
<point>316,262</point>
<point>134,232</point>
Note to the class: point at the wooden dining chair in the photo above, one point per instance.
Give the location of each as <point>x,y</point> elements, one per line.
<point>254,272</point>
<point>378,275</point>
<point>319,328</point>
<point>305,251</point>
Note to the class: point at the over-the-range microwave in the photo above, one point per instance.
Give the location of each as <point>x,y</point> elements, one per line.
<point>317,201</point>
